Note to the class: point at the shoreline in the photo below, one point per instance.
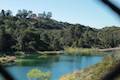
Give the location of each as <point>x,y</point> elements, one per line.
<point>9,59</point>
<point>63,51</point>
<point>109,49</point>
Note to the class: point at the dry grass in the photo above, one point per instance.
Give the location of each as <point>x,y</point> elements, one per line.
<point>94,72</point>
<point>82,51</point>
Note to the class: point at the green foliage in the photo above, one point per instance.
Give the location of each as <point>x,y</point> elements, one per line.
<point>6,40</point>
<point>109,37</point>
<point>38,74</point>
<point>29,33</point>
<point>6,13</point>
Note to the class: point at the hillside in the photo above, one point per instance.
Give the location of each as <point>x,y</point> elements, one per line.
<point>23,33</point>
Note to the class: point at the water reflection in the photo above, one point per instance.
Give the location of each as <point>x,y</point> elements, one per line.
<point>57,65</point>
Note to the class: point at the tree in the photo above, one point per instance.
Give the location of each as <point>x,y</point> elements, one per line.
<point>22,13</point>
<point>6,40</point>
<point>34,16</point>
<point>29,14</point>
<point>44,14</point>
<point>2,12</point>
<point>23,33</point>
<point>108,37</point>
<point>40,15</point>
<point>49,15</point>
<point>19,14</point>
<point>8,13</point>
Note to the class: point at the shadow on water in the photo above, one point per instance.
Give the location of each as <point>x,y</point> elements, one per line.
<point>44,60</point>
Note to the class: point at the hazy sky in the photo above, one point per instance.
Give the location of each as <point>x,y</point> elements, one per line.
<point>86,12</point>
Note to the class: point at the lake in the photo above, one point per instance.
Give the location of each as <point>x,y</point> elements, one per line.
<point>58,65</point>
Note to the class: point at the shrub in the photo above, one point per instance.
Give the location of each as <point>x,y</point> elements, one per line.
<point>38,74</point>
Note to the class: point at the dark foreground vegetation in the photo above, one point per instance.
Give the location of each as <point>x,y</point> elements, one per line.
<point>29,32</point>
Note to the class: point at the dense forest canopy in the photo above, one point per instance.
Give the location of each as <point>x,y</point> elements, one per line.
<point>27,31</point>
